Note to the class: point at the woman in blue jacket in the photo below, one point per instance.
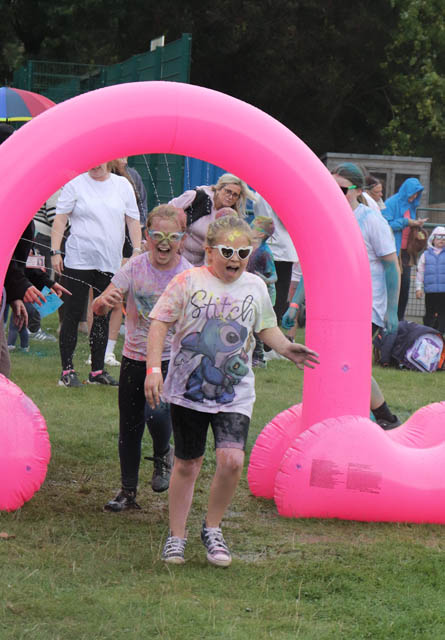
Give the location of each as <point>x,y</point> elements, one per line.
<point>400,212</point>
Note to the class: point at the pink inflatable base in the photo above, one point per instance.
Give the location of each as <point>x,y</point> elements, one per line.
<point>269,449</point>
<point>24,447</point>
<point>350,468</point>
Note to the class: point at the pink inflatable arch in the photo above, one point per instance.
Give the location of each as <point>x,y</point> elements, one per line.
<point>24,447</point>
<point>168,117</point>
<point>159,117</point>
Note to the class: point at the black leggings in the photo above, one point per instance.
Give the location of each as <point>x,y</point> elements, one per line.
<point>78,281</point>
<point>435,311</point>
<point>284,273</point>
<point>133,413</point>
<point>405,281</point>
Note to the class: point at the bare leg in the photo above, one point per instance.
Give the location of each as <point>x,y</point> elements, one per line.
<point>180,494</point>
<point>377,398</point>
<point>229,466</point>
<point>115,322</point>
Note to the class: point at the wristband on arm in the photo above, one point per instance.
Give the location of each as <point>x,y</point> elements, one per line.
<point>153,370</point>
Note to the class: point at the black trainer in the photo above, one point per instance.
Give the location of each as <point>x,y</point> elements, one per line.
<point>103,378</point>
<point>160,479</point>
<point>386,425</point>
<point>123,501</point>
<point>69,379</point>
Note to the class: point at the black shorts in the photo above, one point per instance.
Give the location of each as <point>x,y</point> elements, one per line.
<point>190,431</point>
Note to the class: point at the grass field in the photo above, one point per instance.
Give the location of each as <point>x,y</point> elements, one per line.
<point>70,571</point>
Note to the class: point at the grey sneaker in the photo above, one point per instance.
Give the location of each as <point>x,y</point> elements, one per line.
<point>218,552</point>
<point>160,479</point>
<point>103,378</point>
<point>173,551</point>
<point>123,501</point>
<point>69,379</point>
<point>42,336</point>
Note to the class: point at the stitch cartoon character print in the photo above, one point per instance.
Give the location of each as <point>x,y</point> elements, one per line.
<point>217,373</point>
<point>210,368</point>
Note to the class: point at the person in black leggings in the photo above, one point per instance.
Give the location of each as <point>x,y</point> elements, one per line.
<point>142,280</point>
<point>98,204</point>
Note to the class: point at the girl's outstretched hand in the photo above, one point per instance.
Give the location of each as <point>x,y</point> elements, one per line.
<point>301,355</point>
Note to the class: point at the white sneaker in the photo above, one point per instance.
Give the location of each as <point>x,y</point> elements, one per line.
<point>173,551</point>
<point>110,359</point>
<point>218,552</point>
<point>42,336</point>
<point>89,360</point>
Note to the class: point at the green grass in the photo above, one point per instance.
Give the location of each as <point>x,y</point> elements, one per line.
<point>72,571</point>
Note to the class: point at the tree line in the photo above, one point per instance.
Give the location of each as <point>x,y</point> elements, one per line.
<point>351,77</point>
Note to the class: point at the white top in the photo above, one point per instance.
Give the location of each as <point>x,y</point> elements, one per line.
<point>211,353</point>
<point>143,284</point>
<point>96,211</point>
<point>370,202</point>
<point>281,244</point>
<point>379,241</point>
<point>297,273</point>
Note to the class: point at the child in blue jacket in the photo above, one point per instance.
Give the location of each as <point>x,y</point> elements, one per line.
<point>431,275</point>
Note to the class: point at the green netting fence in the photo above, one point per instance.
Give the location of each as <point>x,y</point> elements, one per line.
<point>163,174</point>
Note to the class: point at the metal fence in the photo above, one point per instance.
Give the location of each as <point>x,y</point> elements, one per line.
<point>59,81</point>
<point>163,174</point>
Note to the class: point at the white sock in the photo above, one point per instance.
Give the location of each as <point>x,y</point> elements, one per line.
<point>110,346</point>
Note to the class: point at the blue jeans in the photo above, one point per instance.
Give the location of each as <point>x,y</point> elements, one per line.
<point>33,325</point>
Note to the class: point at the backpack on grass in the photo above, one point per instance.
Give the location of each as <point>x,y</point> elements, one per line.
<point>414,346</point>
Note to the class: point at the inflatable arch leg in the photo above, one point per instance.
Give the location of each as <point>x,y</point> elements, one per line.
<point>24,447</point>
<point>348,468</point>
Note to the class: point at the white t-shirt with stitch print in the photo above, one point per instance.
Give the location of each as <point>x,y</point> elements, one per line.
<point>211,353</point>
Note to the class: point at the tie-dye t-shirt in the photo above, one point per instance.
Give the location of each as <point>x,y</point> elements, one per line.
<point>211,353</point>
<point>143,284</point>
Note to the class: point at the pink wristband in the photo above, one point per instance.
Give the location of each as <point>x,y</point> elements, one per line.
<point>294,305</point>
<point>153,370</point>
